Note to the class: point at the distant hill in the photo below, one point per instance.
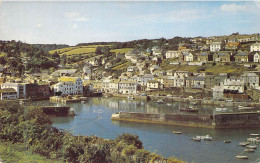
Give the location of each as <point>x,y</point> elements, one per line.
<point>49,47</point>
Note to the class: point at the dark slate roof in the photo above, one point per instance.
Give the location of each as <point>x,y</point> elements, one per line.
<point>242,54</point>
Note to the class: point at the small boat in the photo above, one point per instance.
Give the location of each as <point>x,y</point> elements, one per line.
<point>196,139</point>
<point>244,144</point>
<point>254,134</point>
<point>227,141</point>
<point>249,150</point>
<point>205,138</point>
<point>253,140</point>
<point>177,132</point>
<point>241,157</point>
<point>246,107</point>
<point>159,101</point>
<point>130,97</point>
<point>251,146</point>
<point>83,102</point>
<point>221,109</point>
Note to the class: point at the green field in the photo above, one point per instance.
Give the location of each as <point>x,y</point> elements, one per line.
<point>80,50</point>
<point>62,50</point>
<point>124,50</point>
<point>122,66</point>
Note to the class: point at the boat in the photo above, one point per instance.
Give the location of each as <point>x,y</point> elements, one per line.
<point>159,101</point>
<point>83,102</point>
<point>196,139</point>
<point>249,150</point>
<point>190,109</point>
<point>221,109</point>
<point>177,132</point>
<point>130,97</point>
<point>227,141</point>
<point>244,144</point>
<point>241,157</point>
<point>246,108</point>
<point>254,134</point>
<point>205,138</point>
<point>251,146</point>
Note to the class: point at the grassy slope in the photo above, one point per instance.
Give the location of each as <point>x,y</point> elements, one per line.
<point>124,50</point>
<point>17,153</point>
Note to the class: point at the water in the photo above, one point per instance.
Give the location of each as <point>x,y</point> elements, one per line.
<point>94,118</point>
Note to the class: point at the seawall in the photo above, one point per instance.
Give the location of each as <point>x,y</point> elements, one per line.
<point>58,111</point>
<point>231,120</point>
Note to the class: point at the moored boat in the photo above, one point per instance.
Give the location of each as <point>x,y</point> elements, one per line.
<point>244,143</point>
<point>241,157</point>
<point>195,139</point>
<point>190,109</point>
<point>221,109</point>
<point>177,132</point>
<point>227,141</point>
<point>159,101</point>
<point>254,134</point>
<point>251,146</point>
<point>249,150</point>
<point>130,97</point>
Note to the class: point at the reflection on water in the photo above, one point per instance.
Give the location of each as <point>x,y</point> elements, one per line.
<point>94,118</point>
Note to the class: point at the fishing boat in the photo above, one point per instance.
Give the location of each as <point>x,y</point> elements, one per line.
<point>227,141</point>
<point>177,132</point>
<point>190,109</point>
<point>244,144</point>
<point>249,150</point>
<point>254,134</point>
<point>251,146</point>
<point>241,157</point>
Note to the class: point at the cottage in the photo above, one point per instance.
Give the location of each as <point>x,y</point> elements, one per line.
<point>204,57</point>
<point>166,81</point>
<point>69,86</point>
<point>8,94</point>
<point>113,86</point>
<point>145,78</point>
<point>97,85</point>
<point>189,57</point>
<point>157,52</point>
<point>132,69</point>
<point>222,57</point>
<point>218,92</point>
<point>243,57</point>
<point>255,47</point>
<point>257,57</point>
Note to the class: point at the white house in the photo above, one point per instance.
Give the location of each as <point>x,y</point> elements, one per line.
<point>255,47</point>
<point>257,57</point>
<point>69,86</point>
<point>8,94</point>
<point>18,87</point>
<point>236,85</point>
<point>127,87</point>
<point>215,46</point>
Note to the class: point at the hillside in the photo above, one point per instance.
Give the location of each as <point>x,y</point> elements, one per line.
<point>49,47</point>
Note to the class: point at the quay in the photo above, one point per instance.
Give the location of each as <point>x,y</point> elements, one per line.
<point>58,99</point>
<point>58,110</point>
<point>220,120</point>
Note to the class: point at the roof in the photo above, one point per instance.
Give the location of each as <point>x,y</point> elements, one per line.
<point>256,44</point>
<point>196,78</point>
<point>203,53</point>
<point>11,84</point>
<point>152,81</point>
<point>242,54</point>
<point>65,79</point>
<point>222,53</point>
<point>7,90</point>
<point>68,71</point>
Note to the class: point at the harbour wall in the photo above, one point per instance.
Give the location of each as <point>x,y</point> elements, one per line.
<point>58,111</point>
<point>231,120</point>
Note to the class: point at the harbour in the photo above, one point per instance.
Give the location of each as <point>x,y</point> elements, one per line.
<point>94,118</point>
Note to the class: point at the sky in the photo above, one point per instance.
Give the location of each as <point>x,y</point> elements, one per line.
<point>70,22</point>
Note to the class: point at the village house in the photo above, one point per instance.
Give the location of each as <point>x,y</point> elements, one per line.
<point>209,81</point>
<point>242,57</point>
<point>8,94</point>
<point>233,86</point>
<point>218,92</point>
<point>135,78</point>
<point>113,86</point>
<point>251,79</point>
<point>69,86</point>
<point>166,81</point>
<point>170,72</point>
<point>204,57</point>
<point>64,72</point>
<point>145,78</point>
<point>189,57</point>
<point>132,69</point>
<point>157,52</point>
<point>105,85</point>
<point>216,46</point>
<point>153,85</point>
<point>97,85</point>
<point>257,57</point>
<point>222,57</point>
<point>87,70</point>
<point>255,47</point>
<point>18,87</point>
<point>180,78</point>
<point>128,87</point>
<point>195,82</point>
<point>154,67</point>
<point>172,54</point>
